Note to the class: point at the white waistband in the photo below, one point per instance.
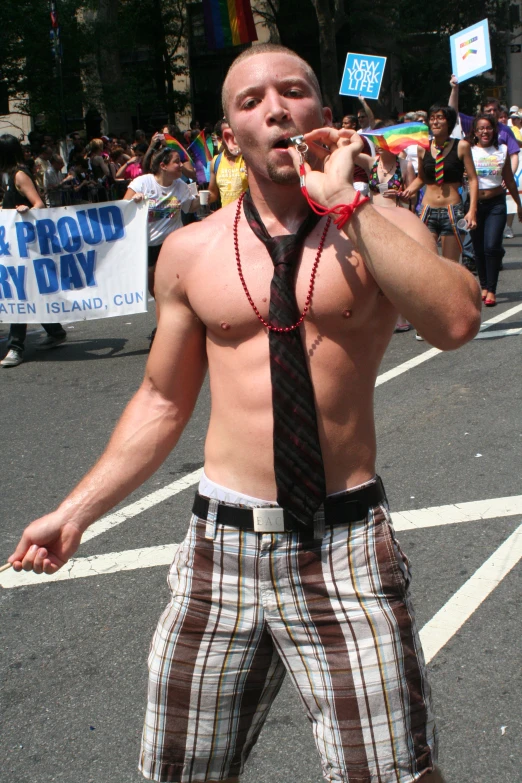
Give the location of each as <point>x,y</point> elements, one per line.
<point>210,489</point>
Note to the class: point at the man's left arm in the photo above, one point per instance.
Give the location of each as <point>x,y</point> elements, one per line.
<point>439,297</point>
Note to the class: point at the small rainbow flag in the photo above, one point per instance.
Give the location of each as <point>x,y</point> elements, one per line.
<point>174,144</point>
<point>396,138</point>
<point>199,149</point>
<point>228,23</point>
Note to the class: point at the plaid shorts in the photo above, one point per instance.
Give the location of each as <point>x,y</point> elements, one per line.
<point>335,614</point>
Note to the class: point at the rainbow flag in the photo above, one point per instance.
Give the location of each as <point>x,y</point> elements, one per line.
<point>396,138</point>
<point>199,149</point>
<point>174,144</point>
<point>228,23</point>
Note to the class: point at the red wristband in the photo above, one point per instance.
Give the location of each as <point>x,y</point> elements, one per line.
<point>342,211</point>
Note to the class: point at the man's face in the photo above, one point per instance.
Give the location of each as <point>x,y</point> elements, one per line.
<point>362,118</point>
<point>270,99</point>
<point>492,108</point>
<point>58,164</point>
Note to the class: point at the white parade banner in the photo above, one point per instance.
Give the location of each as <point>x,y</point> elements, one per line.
<point>73,263</point>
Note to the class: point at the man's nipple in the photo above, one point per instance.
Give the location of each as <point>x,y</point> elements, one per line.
<point>225,326</point>
<point>346,313</point>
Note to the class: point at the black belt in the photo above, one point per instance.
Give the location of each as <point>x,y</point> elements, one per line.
<point>338,510</point>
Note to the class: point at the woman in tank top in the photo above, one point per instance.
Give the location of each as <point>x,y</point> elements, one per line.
<point>493,166</point>
<point>441,169</point>
<point>21,194</point>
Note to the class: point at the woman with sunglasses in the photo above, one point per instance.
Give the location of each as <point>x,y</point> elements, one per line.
<point>442,168</point>
<point>493,166</point>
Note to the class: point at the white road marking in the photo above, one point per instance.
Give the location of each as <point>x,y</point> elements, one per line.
<point>97,565</point>
<point>424,357</point>
<point>148,557</point>
<point>132,510</point>
<point>405,366</point>
<point>448,620</point>
<point>499,333</point>
<point>471,511</point>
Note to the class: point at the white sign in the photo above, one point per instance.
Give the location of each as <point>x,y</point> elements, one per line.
<point>73,263</point>
<point>470,51</point>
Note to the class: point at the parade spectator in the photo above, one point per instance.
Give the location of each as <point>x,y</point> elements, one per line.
<point>29,161</point>
<point>75,146</point>
<point>55,180</point>
<point>21,194</point>
<point>441,170</point>
<point>106,152</point>
<point>228,174</point>
<point>388,176</point>
<point>493,166</point>
<point>132,168</point>
<point>411,152</point>
<point>41,164</point>
<point>83,187</point>
<point>157,142</point>
<point>166,196</point>
<point>365,116</point>
<point>116,161</point>
<point>516,124</point>
<point>97,163</point>
<point>349,122</point>
<point>140,137</point>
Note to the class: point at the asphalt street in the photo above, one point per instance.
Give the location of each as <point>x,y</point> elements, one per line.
<point>74,651</point>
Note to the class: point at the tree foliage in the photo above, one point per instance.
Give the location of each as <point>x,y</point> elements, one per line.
<point>126,55</point>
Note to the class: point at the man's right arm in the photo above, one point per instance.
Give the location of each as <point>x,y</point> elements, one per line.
<point>149,429</point>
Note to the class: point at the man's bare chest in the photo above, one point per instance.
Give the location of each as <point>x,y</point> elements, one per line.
<point>344,295</point>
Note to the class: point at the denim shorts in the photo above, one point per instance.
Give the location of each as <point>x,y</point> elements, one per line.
<point>442,221</point>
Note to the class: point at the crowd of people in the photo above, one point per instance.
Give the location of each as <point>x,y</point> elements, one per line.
<point>462,187</point>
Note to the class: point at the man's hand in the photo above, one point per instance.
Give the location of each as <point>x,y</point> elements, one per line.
<point>337,151</point>
<point>23,208</point>
<point>454,82</point>
<point>46,545</point>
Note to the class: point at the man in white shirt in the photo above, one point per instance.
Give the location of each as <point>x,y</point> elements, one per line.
<point>54,180</point>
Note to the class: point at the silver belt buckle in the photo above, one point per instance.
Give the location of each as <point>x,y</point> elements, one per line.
<point>268,520</point>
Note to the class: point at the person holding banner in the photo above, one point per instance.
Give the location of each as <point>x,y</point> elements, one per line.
<point>291,562</point>
<point>441,170</point>
<point>493,167</point>
<point>166,196</point>
<point>22,195</point>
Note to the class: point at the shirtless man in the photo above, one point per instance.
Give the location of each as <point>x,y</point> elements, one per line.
<point>334,610</point>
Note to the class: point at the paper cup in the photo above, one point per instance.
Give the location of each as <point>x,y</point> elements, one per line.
<point>204,196</point>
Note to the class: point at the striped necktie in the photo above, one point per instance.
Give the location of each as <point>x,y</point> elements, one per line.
<point>439,163</point>
<point>298,462</point>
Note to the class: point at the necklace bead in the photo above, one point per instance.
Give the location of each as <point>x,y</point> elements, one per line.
<point>308,299</point>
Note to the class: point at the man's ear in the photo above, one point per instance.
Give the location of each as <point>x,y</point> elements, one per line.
<point>327,117</point>
<point>229,138</point>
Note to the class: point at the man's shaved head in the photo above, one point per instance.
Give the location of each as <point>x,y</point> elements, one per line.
<point>267,48</point>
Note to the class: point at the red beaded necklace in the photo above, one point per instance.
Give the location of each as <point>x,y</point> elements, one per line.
<point>312,276</point>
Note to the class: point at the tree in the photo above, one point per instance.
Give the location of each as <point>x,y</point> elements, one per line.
<point>331,17</point>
